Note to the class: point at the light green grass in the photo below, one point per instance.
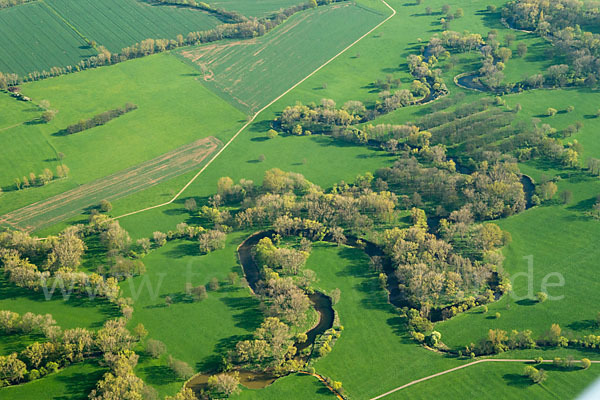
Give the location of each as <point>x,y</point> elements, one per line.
<point>298,386</point>
<point>75,311</point>
<point>36,39</point>
<point>14,111</point>
<point>254,8</point>
<point>174,109</point>
<point>246,72</point>
<point>561,240</point>
<point>372,355</point>
<point>72,383</point>
<point>501,380</point>
<point>192,331</point>
<point>117,24</point>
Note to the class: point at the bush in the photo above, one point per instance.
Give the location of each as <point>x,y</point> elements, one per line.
<point>498,315</point>
<point>155,348</point>
<point>551,112</point>
<point>272,134</point>
<point>585,363</point>
<point>181,369</point>
<point>105,206</point>
<point>541,297</point>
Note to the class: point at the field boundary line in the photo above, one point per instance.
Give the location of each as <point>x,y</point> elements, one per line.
<point>251,120</point>
<point>67,22</point>
<point>461,367</point>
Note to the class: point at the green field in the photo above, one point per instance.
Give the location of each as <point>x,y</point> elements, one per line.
<point>15,112</point>
<point>243,71</point>
<point>299,385</point>
<point>35,39</point>
<point>74,383</point>
<point>116,24</point>
<point>505,380</point>
<point>254,8</point>
<point>160,124</point>
<point>192,331</point>
<point>371,356</point>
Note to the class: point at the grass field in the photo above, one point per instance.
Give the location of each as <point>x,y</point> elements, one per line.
<point>15,112</point>
<point>72,383</point>
<point>372,355</point>
<point>244,72</point>
<point>76,311</point>
<point>254,8</point>
<point>192,331</point>
<point>120,23</point>
<point>140,177</point>
<point>34,38</point>
<point>502,380</point>
<point>161,123</point>
<point>299,386</point>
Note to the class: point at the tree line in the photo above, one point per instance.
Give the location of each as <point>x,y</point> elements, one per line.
<point>99,119</point>
<point>240,30</point>
<point>12,3</point>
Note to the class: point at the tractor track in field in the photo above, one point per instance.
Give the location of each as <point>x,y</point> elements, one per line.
<point>117,185</point>
<point>255,115</point>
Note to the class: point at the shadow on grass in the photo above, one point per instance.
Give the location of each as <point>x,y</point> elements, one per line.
<point>246,312</point>
<point>517,380</point>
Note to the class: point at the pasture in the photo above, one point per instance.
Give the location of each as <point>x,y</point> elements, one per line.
<point>120,23</point>
<point>370,357</point>
<point>195,332</point>
<point>74,382</point>
<point>140,177</point>
<point>36,39</point>
<point>482,380</point>
<point>161,124</point>
<point>244,72</point>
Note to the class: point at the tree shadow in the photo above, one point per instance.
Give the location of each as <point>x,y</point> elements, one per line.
<point>527,302</point>
<point>517,380</point>
<point>246,312</point>
<point>583,325</point>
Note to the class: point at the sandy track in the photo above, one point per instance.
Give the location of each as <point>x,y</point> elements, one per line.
<point>120,184</point>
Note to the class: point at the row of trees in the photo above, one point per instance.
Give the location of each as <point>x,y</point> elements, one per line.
<point>240,30</point>
<point>32,180</point>
<point>99,119</point>
<point>12,3</point>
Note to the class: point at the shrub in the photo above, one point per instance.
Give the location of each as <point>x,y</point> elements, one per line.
<point>541,297</point>
<point>155,348</point>
<point>550,112</point>
<point>498,315</point>
<point>272,134</point>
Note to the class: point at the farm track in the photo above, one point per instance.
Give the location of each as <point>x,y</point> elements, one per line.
<point>458,368</point>
<point>251,120</point>
<point>120,184</point>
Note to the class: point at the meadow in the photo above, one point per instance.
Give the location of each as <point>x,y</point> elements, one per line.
<point>73,382</point>
<point>195,332</point>
<point>483,380</point>
<point>160,124</point>
<point>371,356</point>
<point>244,72</point>
<point>131,180</point>
<point>116,24</point>
<point>36,39</point>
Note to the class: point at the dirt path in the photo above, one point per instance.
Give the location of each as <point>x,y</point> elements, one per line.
<point>12,126</point>
<point>456,369</point>
<point>259,112</point>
